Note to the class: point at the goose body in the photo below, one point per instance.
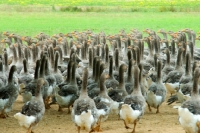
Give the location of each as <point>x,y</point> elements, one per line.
<point>189,111</point>
<point>133,105</point>
<point>33,110</point>
<point>67,94</point>
<point>157,92</point>
<point>84,112</point>
<point>8,94</point>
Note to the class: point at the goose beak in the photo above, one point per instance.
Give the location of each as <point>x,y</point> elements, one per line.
<point>23,38</point>
<point>3,41</point>
<point>10,35</point>
<point>4,33</point>
<point>60,39</point>
<point>183,30</point>
<point>158,31</point>
<point>15,45</point>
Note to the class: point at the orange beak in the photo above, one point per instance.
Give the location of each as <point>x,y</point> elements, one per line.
<point>23,38</point>
<point>10,35</point>
<point>60,39</point>
<point>15,45</point>
<point>3,41</point>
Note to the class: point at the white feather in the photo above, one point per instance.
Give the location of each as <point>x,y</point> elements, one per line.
<point>128,114</point>
<point>85,120</point>
<point>24,120</point>
<point>3,103</point>
<point>188,120</point>
<point>153,100</point>
<point>62,101</point>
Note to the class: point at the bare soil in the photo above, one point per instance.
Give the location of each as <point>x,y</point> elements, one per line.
<point>60,122</point>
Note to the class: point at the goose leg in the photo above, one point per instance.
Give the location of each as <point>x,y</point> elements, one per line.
<point>3,114</point>
<point>98,127</point>
<point>149,107</point>
<point>47,106</point>
<point>135,122</point>
<point>79,128</point>
<point>198,125</point>
<point>29,129</point>
<point>69,111</point>
<point>157,110</point>
<point>60,109</point>
<point>127,127</point>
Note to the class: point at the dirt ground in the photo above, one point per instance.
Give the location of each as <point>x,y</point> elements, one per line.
<point>60,122</point>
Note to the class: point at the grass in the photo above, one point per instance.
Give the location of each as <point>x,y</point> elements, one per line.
<point>31,23</point>
<point>113,5</point>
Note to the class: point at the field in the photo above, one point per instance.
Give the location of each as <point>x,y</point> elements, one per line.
<point>60,122</point>
<point>30,17</point>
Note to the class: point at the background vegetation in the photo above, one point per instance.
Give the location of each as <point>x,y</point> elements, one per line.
<point>29,17</point>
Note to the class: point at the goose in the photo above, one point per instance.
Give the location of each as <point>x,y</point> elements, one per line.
<point>167,67</point>
<point>66,95</point>
<point>103,101</point>
<point>3,77</point>
<point>189,111</point>
<point>57,74</point>
<point>184,90</point>
<point>84,111</point>
<point>8,94</point>
<point>187,77</point>
<point>129,81</point>
<point>157,91</point>
<point>120,92</point>
<point>111,81</point>
<point>28,92</point>
<point>25,77</point>
<point>175,75</point>
<point>51,80</point>
<point>32,111</point>
<point>134,104</point>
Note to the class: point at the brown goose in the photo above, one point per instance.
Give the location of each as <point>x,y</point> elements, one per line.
<point>111,81</point>
<point>157,91</point>
<point>103,101</point>
<point>84,111</point>
<point>119,93</point>
<point>67,94</point>
<point>187,77</point>
<point>28,92</point>
<point>189,111</point>
<point>32,111</point>
<point>8,94</point>
<point>167,67</point>
<point>134,104</point>
<point>175,75</point>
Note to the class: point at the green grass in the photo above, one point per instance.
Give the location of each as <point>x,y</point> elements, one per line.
<point>113,5</point>
<point>31,23</point>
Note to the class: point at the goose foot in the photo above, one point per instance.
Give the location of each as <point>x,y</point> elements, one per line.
<point>30,129</point>
<point>135,122</point>
<point>60,109</point>
<point>96,129</point>
<point>69,111</point>
<point>127,127</point>
<point>3,116</point>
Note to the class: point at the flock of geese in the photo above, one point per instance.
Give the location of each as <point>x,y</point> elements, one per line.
<point>94,75</point>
